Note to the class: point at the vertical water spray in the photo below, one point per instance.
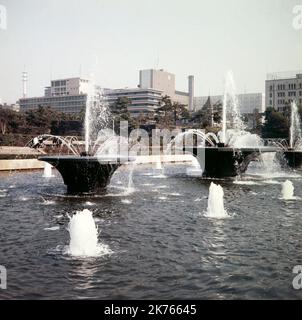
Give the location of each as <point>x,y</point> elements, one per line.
<point>230,108</point>
<point>84,236</point>
<point>295,125</point>
<point>223,138</point>
<point>287,190</point>
<point>89,105</point>
<point>130,188</point>
<point>215,202</point>
<point>96,115</point>
<point>47,170</point>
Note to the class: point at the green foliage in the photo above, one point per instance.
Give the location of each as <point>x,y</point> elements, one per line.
<point>169,112</point>
<point>39,121</point>
<point>276,125</point>
<point>10,121</point>
<point>120,112</point>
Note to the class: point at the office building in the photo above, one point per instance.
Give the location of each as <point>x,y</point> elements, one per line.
<point>64,95</point>
<point>165,82</point>
<point>142,100</point>
<point>247,102</point>
<point>282,88</point>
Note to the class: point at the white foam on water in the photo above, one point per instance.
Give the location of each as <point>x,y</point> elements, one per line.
<point>148,184</point>
<point>160,176</point>
<point>48,202</point>
<point>246,182</point>
<point>270,181</point>
<point>84,236</point>
<point>173,194</point>
<point>23,199</point>
<point>52,228</point>
<point>162,198</point>
<point>126,201</point>
<point>215,203</point>
<point>88,203</point>
<point>287,191</point>
<point>59,216</point>
<point>162,187</point>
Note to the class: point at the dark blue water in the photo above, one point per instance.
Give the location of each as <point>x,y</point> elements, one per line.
<point>163,246</point>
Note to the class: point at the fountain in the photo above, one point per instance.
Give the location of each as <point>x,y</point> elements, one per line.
<point>293,152</point>
<point>195,170</point>
<point>89,171</point>
<point>229,154</point>
<point>215,203</point>
<point>287,190</point>
<point>84,236</point>
<point>47,171</point>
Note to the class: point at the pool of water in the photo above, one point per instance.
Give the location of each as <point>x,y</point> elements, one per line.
<point>161,243</point>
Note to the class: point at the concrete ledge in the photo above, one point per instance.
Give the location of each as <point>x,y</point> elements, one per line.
<point>29,164</point>
<point>164,159</point>
<point>20,164</point>
<point>12,153</point>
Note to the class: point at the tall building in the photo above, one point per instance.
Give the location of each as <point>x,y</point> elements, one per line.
<point>165,82</point>
<point>248,102</point>
<point>282,88</point>
<point>142,100</point>
<point>64,95</point>
<point>153,85</point>
<point>70,95</point>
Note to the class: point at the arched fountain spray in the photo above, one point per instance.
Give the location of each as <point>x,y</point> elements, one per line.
<point>293,152</point>
<point>90,171</point>
<point>231,154</point>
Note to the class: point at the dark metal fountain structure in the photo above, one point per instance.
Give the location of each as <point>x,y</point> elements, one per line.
<point>293,158</point>
<point>85,174</point>
<point>222,161</point>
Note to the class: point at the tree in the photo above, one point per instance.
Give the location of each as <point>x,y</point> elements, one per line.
<point>169,112</point>
<point>10,121</point>
<point>120,112</point>
<point>276,125</point>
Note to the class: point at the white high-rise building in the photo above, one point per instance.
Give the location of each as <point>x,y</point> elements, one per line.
<point>165,81</point>
<point>65,95</point>
<point>282,88</point>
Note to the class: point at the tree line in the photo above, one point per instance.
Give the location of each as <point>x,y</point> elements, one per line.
<point>168,114</point>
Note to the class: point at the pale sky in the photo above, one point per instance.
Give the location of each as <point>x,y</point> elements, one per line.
<point>116,38</point>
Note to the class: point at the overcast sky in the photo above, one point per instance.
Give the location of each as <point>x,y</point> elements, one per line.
<point>116,38</point>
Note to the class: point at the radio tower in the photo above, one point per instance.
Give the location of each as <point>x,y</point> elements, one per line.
<point>24,82</point>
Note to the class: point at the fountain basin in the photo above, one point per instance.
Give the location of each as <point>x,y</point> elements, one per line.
<point>293,158</point>
<point>86,174</point>
<point>219,162</point>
